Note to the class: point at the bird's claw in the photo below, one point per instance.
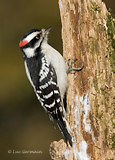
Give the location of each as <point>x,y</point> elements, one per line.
<point>72,69</point>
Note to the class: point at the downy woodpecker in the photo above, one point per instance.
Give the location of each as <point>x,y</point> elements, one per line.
<point>47,73</point>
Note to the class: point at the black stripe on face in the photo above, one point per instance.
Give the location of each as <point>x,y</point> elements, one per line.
<point>32,43</point>
<point>29,32</point>
<point>35,39</point>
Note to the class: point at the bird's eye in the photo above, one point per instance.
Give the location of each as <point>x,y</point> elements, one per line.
<point>38,36</point>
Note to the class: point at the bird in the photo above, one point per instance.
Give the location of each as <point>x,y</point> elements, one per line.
<point>47,72</point>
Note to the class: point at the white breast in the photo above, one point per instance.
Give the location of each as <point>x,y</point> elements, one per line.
<point>57,61</point>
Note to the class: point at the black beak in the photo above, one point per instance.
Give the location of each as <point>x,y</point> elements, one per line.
<point>47,30</point>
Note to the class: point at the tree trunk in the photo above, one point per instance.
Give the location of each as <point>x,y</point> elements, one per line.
<point>88,35</point>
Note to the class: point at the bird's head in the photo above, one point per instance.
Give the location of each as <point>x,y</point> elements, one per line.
<point>33,40</point>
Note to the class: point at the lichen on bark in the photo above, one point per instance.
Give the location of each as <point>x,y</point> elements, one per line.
<point>111,40</point>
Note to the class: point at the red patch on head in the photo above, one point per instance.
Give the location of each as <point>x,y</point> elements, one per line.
<point>23,43</point>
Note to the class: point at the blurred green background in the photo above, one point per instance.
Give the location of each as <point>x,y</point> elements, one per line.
<point>24,125</point>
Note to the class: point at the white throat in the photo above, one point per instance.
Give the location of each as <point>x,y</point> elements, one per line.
<point>29,52</point>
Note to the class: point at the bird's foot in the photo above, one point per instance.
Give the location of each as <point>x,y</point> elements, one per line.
<point>72,69</point>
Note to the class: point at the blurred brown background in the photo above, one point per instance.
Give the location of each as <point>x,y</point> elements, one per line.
<point>24,125</point>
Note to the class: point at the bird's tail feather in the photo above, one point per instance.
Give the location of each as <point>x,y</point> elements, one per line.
<point>64,131</point>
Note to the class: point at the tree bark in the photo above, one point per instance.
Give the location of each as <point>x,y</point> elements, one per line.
<point>88,35</point>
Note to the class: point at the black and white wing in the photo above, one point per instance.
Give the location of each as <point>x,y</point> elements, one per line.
<point>47,90</point>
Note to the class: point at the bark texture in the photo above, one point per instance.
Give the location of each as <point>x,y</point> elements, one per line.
<point>88,34</point>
